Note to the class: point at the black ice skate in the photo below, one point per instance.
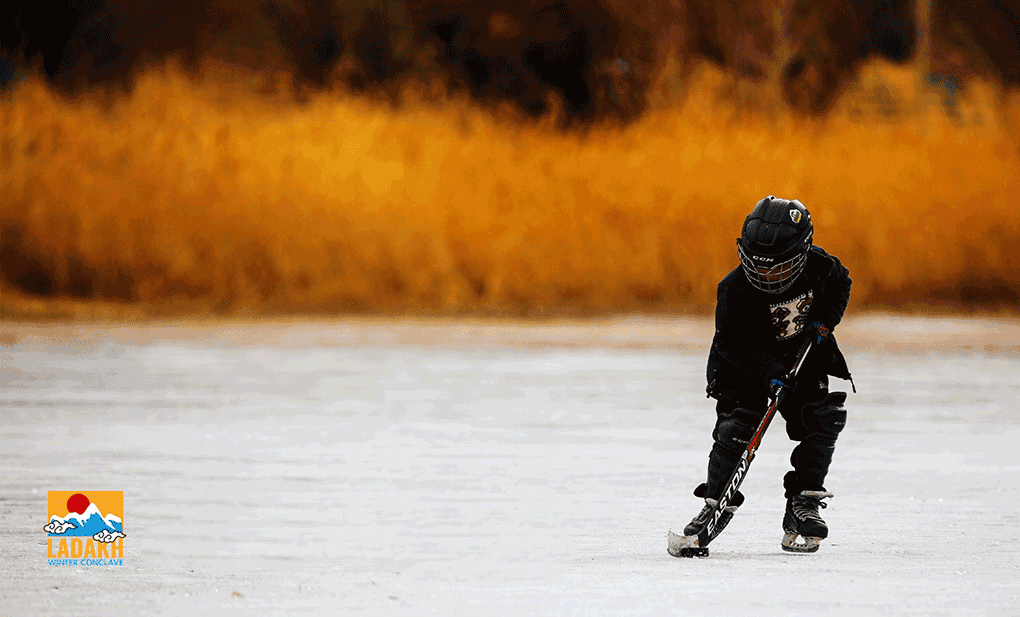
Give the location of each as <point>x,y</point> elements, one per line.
<point>687,545</point>
<point>802,520</point>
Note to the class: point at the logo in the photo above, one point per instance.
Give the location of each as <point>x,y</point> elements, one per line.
<point>795,215</point>
<point>85,528</point>
<point>738,477</point>
<point>765,259</point>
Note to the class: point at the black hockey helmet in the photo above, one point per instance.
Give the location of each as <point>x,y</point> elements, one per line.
<point>774,243</point>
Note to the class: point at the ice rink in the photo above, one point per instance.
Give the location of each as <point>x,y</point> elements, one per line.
<point>479,468</point>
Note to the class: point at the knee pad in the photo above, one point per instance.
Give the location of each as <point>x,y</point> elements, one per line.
<point>734,431</point>
<point>825,419</point>
<point>823,422</point>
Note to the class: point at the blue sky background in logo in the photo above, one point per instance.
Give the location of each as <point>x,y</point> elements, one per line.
<point>88,523</point>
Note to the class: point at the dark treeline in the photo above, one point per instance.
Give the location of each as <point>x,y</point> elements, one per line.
<point>598,58</point>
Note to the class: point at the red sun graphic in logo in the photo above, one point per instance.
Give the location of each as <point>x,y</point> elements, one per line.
<point>78,503</point>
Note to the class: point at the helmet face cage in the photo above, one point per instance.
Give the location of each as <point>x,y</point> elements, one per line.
<point>772,278</point>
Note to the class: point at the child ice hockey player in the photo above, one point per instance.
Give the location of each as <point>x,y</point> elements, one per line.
<point>784,290</point>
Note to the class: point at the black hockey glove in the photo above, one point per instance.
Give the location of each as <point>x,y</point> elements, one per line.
<point>787,383</point>
<point>820,331</point>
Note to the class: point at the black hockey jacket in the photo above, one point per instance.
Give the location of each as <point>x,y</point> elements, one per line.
<point>745,352</point>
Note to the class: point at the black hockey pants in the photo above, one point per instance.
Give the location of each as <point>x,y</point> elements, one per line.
<point>814,417</point>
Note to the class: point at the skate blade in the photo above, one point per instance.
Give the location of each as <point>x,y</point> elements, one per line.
<point>685,546</point>
<point>808,545</point>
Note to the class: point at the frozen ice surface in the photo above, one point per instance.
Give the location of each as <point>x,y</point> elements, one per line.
<point>482,468</point>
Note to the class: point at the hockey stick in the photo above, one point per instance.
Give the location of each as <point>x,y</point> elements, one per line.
<point>737,477</point>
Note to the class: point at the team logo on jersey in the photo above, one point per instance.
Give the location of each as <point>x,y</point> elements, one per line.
<point>789,318</point>
<point>795,215</point>
<point>85,528</point>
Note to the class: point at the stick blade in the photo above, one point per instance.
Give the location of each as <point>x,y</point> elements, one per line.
<point>685,546</point>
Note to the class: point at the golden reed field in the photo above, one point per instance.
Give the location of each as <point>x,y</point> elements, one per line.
<point>194,195</point>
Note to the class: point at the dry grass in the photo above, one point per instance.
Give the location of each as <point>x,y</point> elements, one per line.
<point>197,196</point>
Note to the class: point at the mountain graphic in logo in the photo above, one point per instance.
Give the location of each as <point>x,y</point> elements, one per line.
<point>87,523</point>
